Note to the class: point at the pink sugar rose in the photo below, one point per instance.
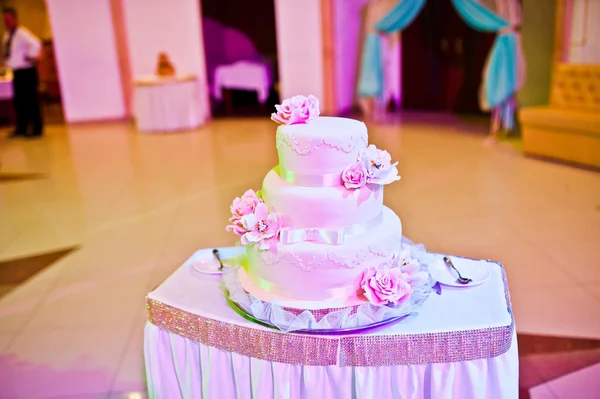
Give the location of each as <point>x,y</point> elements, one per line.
<point>383,285</point>
<point>262,227</point>
<point>241,207</point>
<point>298,109</point>
<point>354,176</point>
<point>379,166</point>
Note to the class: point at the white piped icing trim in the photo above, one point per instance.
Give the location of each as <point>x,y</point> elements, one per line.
<point>382,253</point>
<point>306,265</point>
<point>269,258</point>
<point>361,257</point>
<point>346,144</point>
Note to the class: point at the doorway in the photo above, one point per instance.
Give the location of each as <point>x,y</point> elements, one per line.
<point>237,32</point>
<point>443,60</point>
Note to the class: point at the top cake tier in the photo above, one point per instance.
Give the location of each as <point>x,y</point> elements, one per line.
<point>323,146</point>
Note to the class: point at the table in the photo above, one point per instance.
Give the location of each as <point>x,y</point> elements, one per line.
<point>163,104</point>
<point>6,88</point>
<point>6,96</point>
<point>462,344</point>
<point>243,75</point>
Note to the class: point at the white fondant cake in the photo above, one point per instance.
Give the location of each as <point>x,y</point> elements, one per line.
<point>319,220</point>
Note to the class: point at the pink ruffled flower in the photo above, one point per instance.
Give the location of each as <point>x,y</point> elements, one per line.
<point>241,207</point>
<point>412,268</point>
<point>384,285</point>
<point>262,227</point>
<point>379,166</point>
<point>298,109</point>
<point>354,176</point>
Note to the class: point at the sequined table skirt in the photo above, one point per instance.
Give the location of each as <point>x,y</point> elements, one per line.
<point>461,344</point>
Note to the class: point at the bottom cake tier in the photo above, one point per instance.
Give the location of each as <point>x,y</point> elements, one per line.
<point>321,273</point>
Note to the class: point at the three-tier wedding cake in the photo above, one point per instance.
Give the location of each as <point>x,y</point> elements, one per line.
<point>317,234</point>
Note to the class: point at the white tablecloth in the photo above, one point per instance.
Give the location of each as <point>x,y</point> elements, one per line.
<point>168,104</point>
<point>243,75</point>
<point>180,367</point>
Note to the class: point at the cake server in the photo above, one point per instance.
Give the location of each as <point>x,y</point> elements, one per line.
<point>216,254</point>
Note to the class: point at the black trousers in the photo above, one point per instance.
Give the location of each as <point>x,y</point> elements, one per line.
<point>27,101</point>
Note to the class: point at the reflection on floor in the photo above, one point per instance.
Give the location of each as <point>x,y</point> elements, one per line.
<point>136,206</point>
<point>17,177</point>
<point>15,272</point>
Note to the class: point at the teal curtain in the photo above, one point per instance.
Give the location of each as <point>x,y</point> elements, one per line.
<point>479,16</point>
<point>501,77</point>
<point>400,16</point>
<point>370,81</point>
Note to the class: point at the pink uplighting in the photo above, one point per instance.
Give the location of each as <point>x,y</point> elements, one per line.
<point>300,199</point>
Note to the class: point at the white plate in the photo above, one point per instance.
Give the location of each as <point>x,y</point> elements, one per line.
<point>476,270</point>
<point>209,266</point>
<point>204,262</point>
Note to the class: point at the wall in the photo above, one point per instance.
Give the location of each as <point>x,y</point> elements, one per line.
<point>583,37</point>
<point>537,35</point>
<point>91,61</point>
<point>348,33</point>
<point>153,26</point>
<point>87,59</point>
<point>299,47</point>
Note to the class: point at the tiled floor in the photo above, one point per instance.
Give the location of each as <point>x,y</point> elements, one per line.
<point>137,205</point>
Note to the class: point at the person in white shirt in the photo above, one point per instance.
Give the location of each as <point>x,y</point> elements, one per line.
<point>21,54</point>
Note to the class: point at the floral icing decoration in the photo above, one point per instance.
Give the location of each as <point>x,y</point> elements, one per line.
<point>241,207</point>
<point>380,169</point>
<point>391,284</point>
<point>374,167</point>
<point>296,110</point>
<point>412,267</point>
<point>262,227</point>
<point>354,176</point>
<point>383,285</point>
<point>253,221</point>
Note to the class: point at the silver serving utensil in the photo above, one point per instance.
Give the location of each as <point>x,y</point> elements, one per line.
<point>460,279</point>
<point>216,255</point>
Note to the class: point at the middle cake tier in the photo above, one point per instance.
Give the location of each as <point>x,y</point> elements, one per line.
<point>321,207</point>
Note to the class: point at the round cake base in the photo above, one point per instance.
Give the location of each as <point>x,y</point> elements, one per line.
<point>375,326</point>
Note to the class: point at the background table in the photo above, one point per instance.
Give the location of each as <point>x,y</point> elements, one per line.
<point>168,104</point>
<point>6,89</point>
<point>7,113</point>
<point>244,75</point>
<point>196,346</point>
